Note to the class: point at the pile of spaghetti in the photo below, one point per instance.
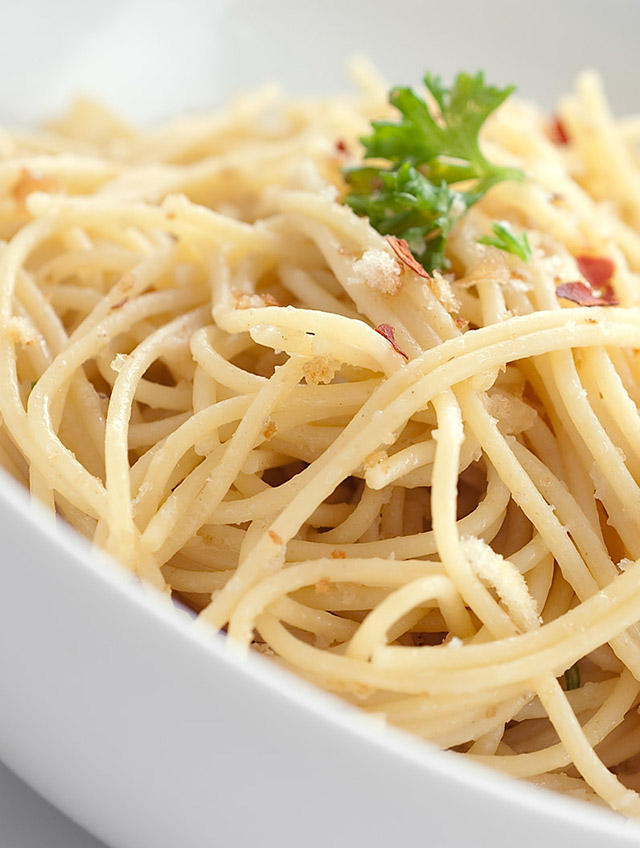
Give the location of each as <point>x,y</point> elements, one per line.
<point>418,487</point>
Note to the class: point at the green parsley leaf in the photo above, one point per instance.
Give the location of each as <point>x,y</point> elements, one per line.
<point>572,677</point>
<point>415,194</point>
<point>505,239</point>
<point>404,203</point>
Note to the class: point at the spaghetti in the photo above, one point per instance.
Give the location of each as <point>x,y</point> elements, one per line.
<point>419,491</point>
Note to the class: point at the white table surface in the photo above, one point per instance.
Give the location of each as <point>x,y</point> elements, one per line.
<point>28,821</point>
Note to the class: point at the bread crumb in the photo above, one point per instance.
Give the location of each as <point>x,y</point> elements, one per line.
<point>323,586</point>
<point>338,554</point>
<point>320,369</point>
<point>493,569</point>
<point>118,362</point>
<point>374,459</point>
<point>442,290</point>
<point>20,331</point>
<point>269,431</point>
<point>253,301</point>
<point>379,270</point>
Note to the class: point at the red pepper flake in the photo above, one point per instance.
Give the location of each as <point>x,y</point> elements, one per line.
<point>337,553</point>
<point>402,250</point>
<point>558,131</point>
<point>341,146</point>
<point>584,295</point>
<point>597,270</point>
<point>389,333</point>
<point>275,537</point>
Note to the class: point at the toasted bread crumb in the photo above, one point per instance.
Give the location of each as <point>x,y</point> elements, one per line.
<point>441,288</point>
<point>253,301</point>
<point>374,458</point>
<point>20,331</point>
<point>320,369</point>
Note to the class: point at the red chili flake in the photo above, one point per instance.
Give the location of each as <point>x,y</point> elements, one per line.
<point>402,250</point>
<point>389,333</point>
<point>584,295</point>
<point>341,145</point>
<point>597,270</point>
<point>558,131</point>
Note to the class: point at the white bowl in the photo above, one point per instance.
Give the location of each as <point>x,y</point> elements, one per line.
<point>142,730</point>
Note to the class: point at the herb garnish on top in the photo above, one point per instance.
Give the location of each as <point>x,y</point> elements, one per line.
<point>433,168</point>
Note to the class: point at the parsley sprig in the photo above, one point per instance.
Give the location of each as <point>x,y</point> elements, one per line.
<point>434,169</point>
<point>505,239</point>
